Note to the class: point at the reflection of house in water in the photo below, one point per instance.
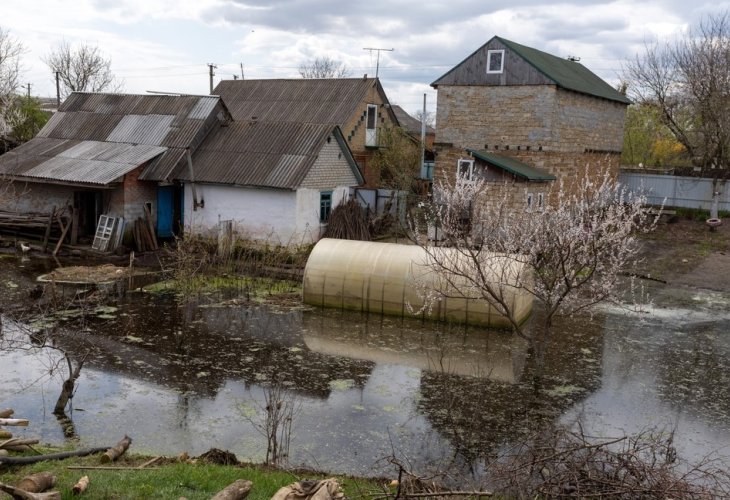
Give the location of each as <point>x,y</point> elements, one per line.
<point>491,354</point>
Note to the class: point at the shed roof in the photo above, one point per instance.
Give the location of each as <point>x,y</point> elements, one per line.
<point>409,123</point>
<point>274,154</point>
<point>166,124</point>
<point>512,165</point>
<point>570,75</point>
<point>302,100</point>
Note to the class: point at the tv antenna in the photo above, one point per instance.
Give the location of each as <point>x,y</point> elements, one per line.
<point>377,64</point>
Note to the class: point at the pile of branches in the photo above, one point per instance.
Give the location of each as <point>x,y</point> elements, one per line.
<point>348,222</point>
<point>566,463</point>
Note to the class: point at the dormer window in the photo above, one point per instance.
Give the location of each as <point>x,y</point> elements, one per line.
<point>495,61</point>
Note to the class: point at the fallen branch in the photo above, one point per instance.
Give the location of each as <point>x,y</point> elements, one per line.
<point>11,443</point>
<point>50,456</point>
<point>81,485</point>
<point>116,451</point>
<point>19,494</point>
<point>237,490</point>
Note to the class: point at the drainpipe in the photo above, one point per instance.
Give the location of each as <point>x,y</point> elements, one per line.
<point>196,205</point>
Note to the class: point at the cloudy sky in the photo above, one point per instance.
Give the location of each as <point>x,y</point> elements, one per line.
<point>165,45</point>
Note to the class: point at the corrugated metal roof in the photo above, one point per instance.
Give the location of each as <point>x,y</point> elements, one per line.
<point>276,155</point>
<point>172,122</point>
<point>410,124</point>
<point>93,162</point>
<point>302,100</point>
<point>512,166</point>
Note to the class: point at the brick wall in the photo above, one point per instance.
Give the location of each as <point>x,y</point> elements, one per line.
<point>129,198</point>
<point>331,168</point>
<point>562,132</point>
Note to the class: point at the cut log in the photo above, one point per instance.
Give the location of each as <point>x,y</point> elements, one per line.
<point>81,485</point>
<point>116,451</point>
<point>50,456</point>
<point>5,434</point>
<point>237,490</point>
<point>37,483</point>
<point>19,422</point>
<point>8,412</point>
<point>19,494</point>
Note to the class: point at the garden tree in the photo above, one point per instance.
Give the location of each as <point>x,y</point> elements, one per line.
<point>687,81</point>
<point>324,67</point>
<point>398,159</point>
<point>30,119</point>
<point>647,140</point>
<point>83,68</point>
<point>569,256</point>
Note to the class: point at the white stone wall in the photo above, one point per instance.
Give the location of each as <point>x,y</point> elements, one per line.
<point>275,215</point>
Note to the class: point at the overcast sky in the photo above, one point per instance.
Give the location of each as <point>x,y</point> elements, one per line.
<point>165,45</point>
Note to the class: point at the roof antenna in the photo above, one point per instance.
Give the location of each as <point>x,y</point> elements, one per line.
<point>573,58</point>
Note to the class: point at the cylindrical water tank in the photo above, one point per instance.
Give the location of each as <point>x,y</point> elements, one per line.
<point>381,278</point>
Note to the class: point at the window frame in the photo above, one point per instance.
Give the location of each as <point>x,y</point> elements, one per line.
<point>325,206</point>
<point>528,202</point>
<point>459,176</point>
<point>371,133</point>
<point>501,62</point>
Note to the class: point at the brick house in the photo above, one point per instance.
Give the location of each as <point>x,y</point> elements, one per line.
<point>514,113</point>
<point>358,106</point>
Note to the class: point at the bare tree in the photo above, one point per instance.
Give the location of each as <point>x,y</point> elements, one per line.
<point>324,67</point>
<point>429,117</point>
<point>688,82</point>
<point>10,52</point>
<point>83,68</point>
<point>569,254</point>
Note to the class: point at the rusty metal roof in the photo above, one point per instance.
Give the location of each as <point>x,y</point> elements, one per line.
<point>313,101</point>
<point>276,155</point>
<point>88,162</point>
<point>167,124</point>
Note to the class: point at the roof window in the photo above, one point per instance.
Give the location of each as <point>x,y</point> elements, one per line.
<point>495,61</point>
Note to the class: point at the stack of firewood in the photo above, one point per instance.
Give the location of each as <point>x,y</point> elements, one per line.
<point>7,441</point>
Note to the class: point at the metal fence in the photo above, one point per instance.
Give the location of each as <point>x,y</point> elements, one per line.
<point>687,192</point>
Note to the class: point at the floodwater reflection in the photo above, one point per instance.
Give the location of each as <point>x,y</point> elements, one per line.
<point>187,378</point>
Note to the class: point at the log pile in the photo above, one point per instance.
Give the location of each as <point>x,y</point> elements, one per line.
<point>144,233</point>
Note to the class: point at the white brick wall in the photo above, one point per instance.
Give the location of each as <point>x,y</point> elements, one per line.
<point>330,169</point>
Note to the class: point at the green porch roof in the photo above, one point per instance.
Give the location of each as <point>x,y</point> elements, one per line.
<point>570,75</point>
<point>512,166</point>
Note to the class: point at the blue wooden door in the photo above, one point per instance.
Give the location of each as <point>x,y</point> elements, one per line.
<point>165,196</point>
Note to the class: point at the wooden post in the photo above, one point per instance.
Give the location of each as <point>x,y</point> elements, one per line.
<point>74,226</point>
<point>63,236</point>
<point>48,229</point>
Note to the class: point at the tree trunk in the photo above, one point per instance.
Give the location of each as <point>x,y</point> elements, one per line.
<point>67,390</point>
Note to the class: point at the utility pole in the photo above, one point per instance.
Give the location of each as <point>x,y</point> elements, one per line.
<point>211,67</point>
<point>58,91</point>
<point>377,65</point>
<point>423,133</point>
<point>241,70</point>
<point>28,90</point>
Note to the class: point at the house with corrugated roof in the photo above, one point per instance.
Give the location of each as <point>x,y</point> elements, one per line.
<point>112,154</point>
<point>522,117</point>
<point>291,153</point>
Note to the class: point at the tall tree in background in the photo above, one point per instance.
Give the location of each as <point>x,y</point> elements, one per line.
<point>688,82</point>
<point>10,51</point>
<point>83,68</point>
<point>397,159</point>
<point>648,142</point>
<point>324,67</point>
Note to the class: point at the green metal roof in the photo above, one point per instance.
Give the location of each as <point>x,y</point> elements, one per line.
<point>568,74</point>
<point>512,166</point>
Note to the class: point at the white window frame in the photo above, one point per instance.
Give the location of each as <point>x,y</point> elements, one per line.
<point>470,176</point>
<point>489,60</point>
<point>371,134</point>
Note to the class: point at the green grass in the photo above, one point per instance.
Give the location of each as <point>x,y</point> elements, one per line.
<point>171,480</point>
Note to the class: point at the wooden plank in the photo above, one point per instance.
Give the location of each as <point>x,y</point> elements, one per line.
<point>60,240</point>
<point>148,216</point>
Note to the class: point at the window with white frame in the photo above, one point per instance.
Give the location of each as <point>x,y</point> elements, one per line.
<point>371,126</point>
<point>465,169</point>
<point>495,61</point>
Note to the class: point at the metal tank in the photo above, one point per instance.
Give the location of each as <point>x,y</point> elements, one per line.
<point>382,278</point>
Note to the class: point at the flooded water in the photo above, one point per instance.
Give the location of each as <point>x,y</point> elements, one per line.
<point>365,386</point>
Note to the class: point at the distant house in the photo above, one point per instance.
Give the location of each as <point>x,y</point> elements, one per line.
<point>358,106</point>
<point>412,126</point>
<point>112,154</point>
<point>515,113</point>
